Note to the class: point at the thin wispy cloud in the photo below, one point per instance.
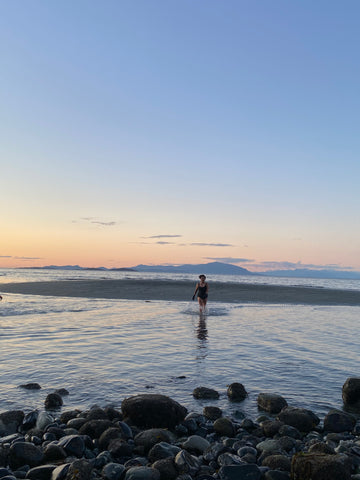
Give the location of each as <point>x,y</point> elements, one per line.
<point>96,221</point>
<point>201,244</point>
<point>6,256</point>
<point>230,259</point>
<point>28,258</point>
<point>163,236</point>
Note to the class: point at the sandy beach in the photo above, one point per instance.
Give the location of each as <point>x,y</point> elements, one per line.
<point>183,290</point>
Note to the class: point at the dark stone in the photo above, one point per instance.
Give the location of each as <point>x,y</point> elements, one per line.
<point>212,413</point>
<point>94,428</point>
<point>142,473</point>
<point>276,475</point>
<point>205,393</point>
<point>162,450</point>
<point>96,413</point>
<point>73,445</point>
<point>62,392</point>
<point>79,470</point>
<point>166,468</point>
<point>300,418</point>
<point>224,427</point>
<point>271,402</point>
<point>187,463</point>
<point>54,453</point>
<point>153,411</point>
<point>109,434</point>
<point>240,472</point>
<point>321,447</point>
<point>60,472</point>
<point>289,431</point>
<point>43,472</point>
<point>236,392</point>
<point>120,448</point>
<point>113,471</point>
<point>277,462</point>
<point>310,466</point>
<point>68,415</point>
<point>31,386</point>
<point>271,427</point>
<point>10,422</point>
<point>53,400</point>
<point>351,392</point>
<point>337,421</point>
<point>148,438</point>
<point>24,453</point>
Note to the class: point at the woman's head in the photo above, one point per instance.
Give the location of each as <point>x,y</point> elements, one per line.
<point>202,277</point>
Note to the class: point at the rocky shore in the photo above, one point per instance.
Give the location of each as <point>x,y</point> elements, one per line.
<point>153,437</point>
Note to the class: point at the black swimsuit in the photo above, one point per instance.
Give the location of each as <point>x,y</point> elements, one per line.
<point>202,292</point>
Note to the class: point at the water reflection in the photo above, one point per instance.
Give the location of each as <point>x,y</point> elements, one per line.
<point>202,334</point>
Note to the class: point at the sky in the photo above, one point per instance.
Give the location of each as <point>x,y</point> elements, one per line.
<point>180,131</point>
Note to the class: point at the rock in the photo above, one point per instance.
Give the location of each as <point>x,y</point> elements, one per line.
<point>187,463</point>
<point>212,413</point>
<point>68,415</point>
<point>109,434</point>
<point>271,427</point>
<point>24,453</point>
<point>73,445</point>
<point>205,393</point>
<point>142,473</point>
<point>321,447</point>
<point>196,443</point>
<point>96,413</point>
<point>53,400</point>
<point>166,468</point>
<point>54,453</point>
<point>236,392</point>
<point>224,427</point>
<point>43,420</point>
<point>60,472</point>
<point>120,448</point>
<point>162,450</point>
<point>76,423</point>
<point>148,438</point>
<point>269,447</point>
<point>337,421</point>
<point>289,431</point>
<point>31,386</point>
<point>229,459</point>
<point>95,428</point>
<point>276,475</point>
<point>300,418</point>
<point>44,472</point>
<point>277,462</point>
<point>62,392</point>
<point>29,420</point>
<point>240,472</point>
<point>271,402</point>
<point>153,411</point>
<point>10,421</point>
<point>310,466</point>
<point>113,471</point>
<point>351,392</point>
<point>79,470</point>
<point>125,429</point>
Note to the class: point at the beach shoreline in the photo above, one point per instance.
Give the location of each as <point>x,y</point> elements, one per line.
<point>147,290</point>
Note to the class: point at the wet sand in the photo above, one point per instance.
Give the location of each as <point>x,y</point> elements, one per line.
<point>131,289</point>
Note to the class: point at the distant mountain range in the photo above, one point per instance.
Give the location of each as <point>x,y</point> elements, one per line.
<point>217,268</point>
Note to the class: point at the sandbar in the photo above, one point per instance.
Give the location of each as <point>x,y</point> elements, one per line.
<point>140,289</point>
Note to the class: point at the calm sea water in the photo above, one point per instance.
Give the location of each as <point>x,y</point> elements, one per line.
<point>102,351</point>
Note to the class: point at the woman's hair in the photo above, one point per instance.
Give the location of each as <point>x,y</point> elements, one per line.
<point>202,275</point>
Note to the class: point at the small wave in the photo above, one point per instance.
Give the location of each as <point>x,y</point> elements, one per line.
<point>213,311</point>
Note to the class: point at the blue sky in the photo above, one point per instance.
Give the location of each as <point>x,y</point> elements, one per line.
<point>231,124</point>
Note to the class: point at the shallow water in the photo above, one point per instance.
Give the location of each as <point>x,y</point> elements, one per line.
<point>105,350</point>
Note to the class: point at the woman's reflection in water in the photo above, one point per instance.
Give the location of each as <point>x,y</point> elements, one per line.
<point>202,334</point>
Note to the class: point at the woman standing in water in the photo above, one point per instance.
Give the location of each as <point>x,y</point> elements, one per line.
<point>202,289</point>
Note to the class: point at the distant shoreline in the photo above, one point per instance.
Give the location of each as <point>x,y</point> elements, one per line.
<point>140,289</point>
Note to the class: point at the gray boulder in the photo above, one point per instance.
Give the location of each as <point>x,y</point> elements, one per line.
<point>271,402</point>
<point>10,422</point>
<point>167,469</point>
<point>53,400</point>
<point>113,471</point>
<point>300,418</point>
<point>153,411</point>
<point>351,392</point>
<point>79,470</point>
<point>73,445</point>
<point>205,393</point>
<point>162,450</point>
<point>24,453</point>
<point>94,428</point>
<point>310,466</point>
<point>43,472</point>
<point>187,463</point>
<point>240,472</point>
<point>148,438</point>
<point>224,427</point>
<point>142,473</point>
<point>337,421</point>
<point>212,413</point>
<point>236,392</point>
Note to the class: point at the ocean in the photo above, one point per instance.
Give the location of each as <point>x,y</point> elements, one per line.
<point>104,350</point>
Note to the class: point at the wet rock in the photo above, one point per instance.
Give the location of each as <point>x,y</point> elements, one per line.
<point>43,472</point>
<point>277,462</point>
<point>205,393</point>
<point>163,450</point>
<point>79,470</point>
<point>53,400</point>
<point>54,453</point>
<point>240,472</point>
<point>269,446</point>
<point>10,421</point>
<point>224,427</point>
<point>229,459</point>
<point>73,445</point>
<point>148,438</point>
<point>289,431</point>
<point>43,420</point>
<point>125,429</point>
<point>187,463</point>
<point>96,413</point>
<point>109,434</point>
<point>24,453</point>
<point>68,415</point>
<point>76,423</point>
<point>351,392</point>
<point>321,447</point>
<point>120,448</point>
<point>196,443</point>
<point>236,392</point>
<point>309,466</point>
<point>62,392</point>
<point>113,471</point>
<point>271,402</point>
<point>142,473</point>
<point>212,413</point>
<point>30,386</point>
<point>95,428</point>
<point>276,475</point>
<point>300,418</point>
<point>153,411</point>
<point>337,421</point>
<point>271,427</point>
<point>60,472</point>
<point>166,468</point>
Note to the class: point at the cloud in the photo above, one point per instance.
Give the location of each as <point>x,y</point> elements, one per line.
<point>164,236</point>
<point>5,256</point>
<point>200,244</point>
<point>28,258</point>
<point>164,243</point>
<point>104,224</point>
<point>230,259</point>
<point>284,265</point>
<point>96,221</point>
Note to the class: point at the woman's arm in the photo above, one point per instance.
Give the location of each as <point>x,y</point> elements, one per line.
<point>196,289</point>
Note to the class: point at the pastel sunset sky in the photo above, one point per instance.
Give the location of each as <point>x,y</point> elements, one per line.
<point>180,131</point>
